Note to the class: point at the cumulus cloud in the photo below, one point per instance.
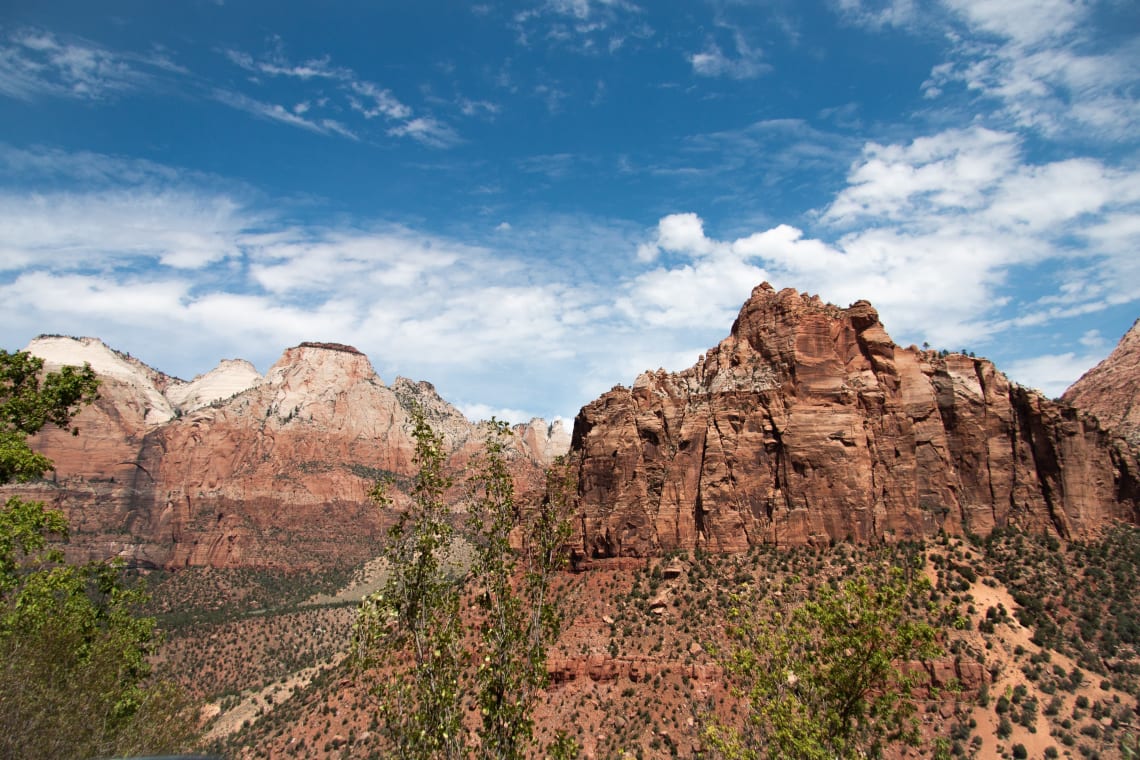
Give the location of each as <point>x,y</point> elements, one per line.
<point>933,231</point>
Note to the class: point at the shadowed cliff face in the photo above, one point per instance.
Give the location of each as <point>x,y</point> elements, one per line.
<point>270,472</point>
<point>808,424</point>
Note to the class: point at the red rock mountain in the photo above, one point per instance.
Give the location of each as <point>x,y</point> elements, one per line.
<point>1111,389</point>
<point>234,469</point>
<point>808,424</point>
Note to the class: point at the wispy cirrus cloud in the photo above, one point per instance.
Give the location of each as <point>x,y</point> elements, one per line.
<point>275,112</point>
<point>747,63</point>
<point>371,101</point>
<point>275,64</point>
<point>588,27</point>
<point>35,63</point>
<point>1034,60</point>
<point>877,14</point>
<point>316,110</point>
<point>427,130</point>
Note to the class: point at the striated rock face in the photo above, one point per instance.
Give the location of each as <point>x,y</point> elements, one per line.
<point>808,424</point>
<point>1111,390</point>
<point>548,441</point>
<point>232,469</point>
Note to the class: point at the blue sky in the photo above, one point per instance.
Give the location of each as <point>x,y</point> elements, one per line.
<point>527,203</point>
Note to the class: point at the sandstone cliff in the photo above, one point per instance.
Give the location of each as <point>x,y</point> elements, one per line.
<point>808,424</point>
<point>233,469</point>
<point>1111,390</point>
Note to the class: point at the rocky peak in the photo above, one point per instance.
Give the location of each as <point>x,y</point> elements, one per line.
<point>313,380</point>
<point>140,385</point>
<point>444,418</point>
<point>229,378</point>
<point>1111,390</point>
<point>808,424</point>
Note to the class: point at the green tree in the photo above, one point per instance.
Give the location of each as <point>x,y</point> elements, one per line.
<point>27,403</point>
<point>414,619</point>
<point>498,665</point>
<point>520,618</point>
<point>824,679</point>
<point>74,678</point>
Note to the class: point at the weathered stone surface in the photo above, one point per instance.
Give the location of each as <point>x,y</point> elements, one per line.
<point>808,424</point>
<point>1111,390</point>
<point>233,469</point>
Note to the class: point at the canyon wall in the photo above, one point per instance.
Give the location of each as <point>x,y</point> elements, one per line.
<point>809,425</point>
<point>234,469</point>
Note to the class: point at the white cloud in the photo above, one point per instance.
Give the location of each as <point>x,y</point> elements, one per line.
<point>683,232</point>
<point>712,61</point>
<point>276,112</point>
<point>35,63</point>
<point>72,231</point>
<point>876,14</point>
<point>1024,21</point>
<point>314,108</point>
<point>1052,374</point>
<point>478,411</point>
<point>188,274</point>
<point>483,108</point>
<point>276,65</point>
<point>584,26</point>
<point>381,102</point>
<point>1034,59</point>
<point>954,170</point>
<point>1092,339</point>
<point>935,232</point>
<point>429,131</point>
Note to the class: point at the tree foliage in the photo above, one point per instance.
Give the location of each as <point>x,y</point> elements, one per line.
<point>29,402</point>
<point>519,622</point>
<point>497,665</point>
<point>824,678</point>
<point>414,619</point>
<point>74,678</point>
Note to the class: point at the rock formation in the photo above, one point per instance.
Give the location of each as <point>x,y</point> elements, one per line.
<point>233,469</point>
<point>808,424</point>
<point>1111,390</point>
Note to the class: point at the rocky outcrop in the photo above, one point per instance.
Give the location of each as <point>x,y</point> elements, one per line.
<point>233,469</point>
<point>808,424</point>
<point>1111,390</point>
